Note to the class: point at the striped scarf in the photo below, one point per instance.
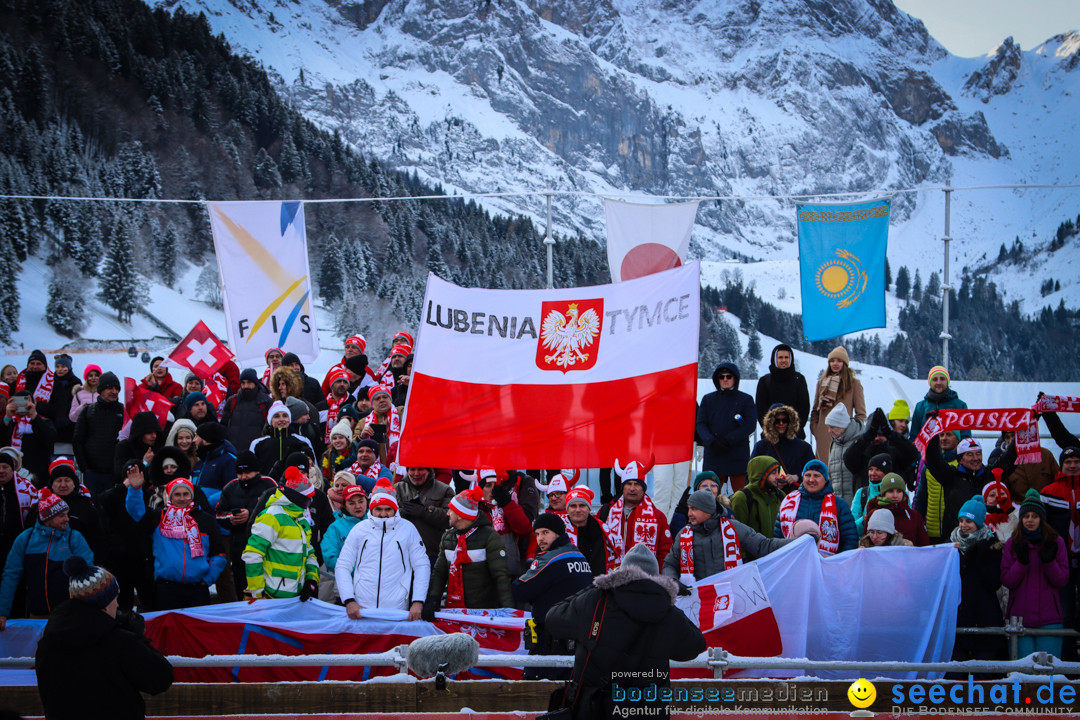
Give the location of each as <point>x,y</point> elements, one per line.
<point>177,523</point>
<point>459,557</point>
<point>41,394</point>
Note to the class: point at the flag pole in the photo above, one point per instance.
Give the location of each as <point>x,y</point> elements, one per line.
<point>550,243</point>
<point>945,287</point>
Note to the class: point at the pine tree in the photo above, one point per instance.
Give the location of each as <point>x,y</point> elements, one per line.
<point>120,286</point>
<point>9,291</point>
<point>66,309</point>
<point>916,290</point>
<point>888,274</point>
<point>292,163</point>
<point>265,174</point>
<point>166,250</point>
<point>903,283</point>
<point>331,271</point>
<point>933,287</point>
<point>208,285</point>
<point>435,262</point>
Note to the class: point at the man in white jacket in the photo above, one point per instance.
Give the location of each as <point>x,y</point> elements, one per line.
<point>383,563</point>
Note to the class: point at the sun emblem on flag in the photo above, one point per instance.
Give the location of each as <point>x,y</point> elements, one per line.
<point>569,335</point>
<point>841,278</point>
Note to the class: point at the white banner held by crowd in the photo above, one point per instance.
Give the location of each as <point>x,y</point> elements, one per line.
<point>266,284</point>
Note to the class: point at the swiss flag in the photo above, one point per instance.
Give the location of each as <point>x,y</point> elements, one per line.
<point>217,389</point>
<point>137,400</point>
<point>201,352</point>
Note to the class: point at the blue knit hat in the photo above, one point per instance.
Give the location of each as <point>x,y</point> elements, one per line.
<point>706,475</point>
<point>974,510</point>
<point>190,400</point>
<point>816,464</point>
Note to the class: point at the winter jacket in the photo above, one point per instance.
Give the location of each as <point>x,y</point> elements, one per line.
<point>1034,585</point>
<point>709,548</point>
<point>980,578</point>
<point>320,513</point>
<point>241,494</point>
<point>640,633</point>
<point>787,387</point>
<point>553,576</point>
<point>37,445</point>
<point>1061,498</point>
<point>1021,478</point>
<point>244,417</point>
<point>87,666</point>
<point>167,386</point>
<point>757,504</point>
<point>83,516</point>
<point>427,506</point>
<point>486,580</point>
<point>277,445</point>
<point>173,558</point>
<point>596,546</point>
<point>37,560</point>
<point>908,522</point>
<point>853,400</point>
<point>279,556</point>
<point>215,469</point>
<point>95,436</point>
<point>59,410</point>
<point>792,452</point>
<point>932,402</point>
<point>810,508</point>
<point>858,454</point>
<point>383,565</point>
<point>79,400</point>
<point>958,485</point>
<point>133,447</point>
<point>725,422</point>
<point>842,478</point>
<point>18,498</point>
<point>863,496</point>
<point>334,538</point>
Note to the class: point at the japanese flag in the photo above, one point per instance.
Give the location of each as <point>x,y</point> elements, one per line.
<point>643,239</point>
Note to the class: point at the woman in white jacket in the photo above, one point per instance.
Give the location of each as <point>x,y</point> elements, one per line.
<point>383,563</point>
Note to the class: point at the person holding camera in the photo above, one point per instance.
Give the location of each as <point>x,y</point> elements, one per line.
<point>236,508</point>
<point>367,468</point>
<point>35,434</point>
<point>383,424</point>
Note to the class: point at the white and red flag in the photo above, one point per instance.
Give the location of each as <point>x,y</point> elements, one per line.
<point>137,400</point>
<point>201,352</point>
<point>573,377</point>
<point>647,238</point>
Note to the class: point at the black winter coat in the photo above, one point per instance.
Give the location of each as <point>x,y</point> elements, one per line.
<point>60,406</point>
<point>859,453</point>
<point>958,484</point>
<point>725,421</point>
<point>133,447</point>
<point>88,666</point>
<point>245,417</point>
<point>641,632</point>
<point>980,577</point>
<point>241,494</point>
<point>95,435</point>
<point>787,387</point>
<point>276,446</point>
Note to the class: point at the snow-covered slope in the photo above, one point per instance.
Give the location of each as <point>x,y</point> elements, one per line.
<point>696,98</point>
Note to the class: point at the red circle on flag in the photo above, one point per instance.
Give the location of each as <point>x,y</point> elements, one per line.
<point>647,259</point>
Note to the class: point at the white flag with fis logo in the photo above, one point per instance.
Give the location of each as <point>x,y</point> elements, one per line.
<point>573,377</point>
<point>266,284</point>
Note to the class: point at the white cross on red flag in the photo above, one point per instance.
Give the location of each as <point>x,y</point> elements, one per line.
<point>201,352</point>
<point>137,400</point>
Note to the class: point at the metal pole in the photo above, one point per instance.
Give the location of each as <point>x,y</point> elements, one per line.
<point>550,243</point>
<point>945,286</point>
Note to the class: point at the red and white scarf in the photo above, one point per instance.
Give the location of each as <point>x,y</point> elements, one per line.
<point>612,553</point>
<point>732,550</point>
<point>498,515</point>
<point>393,433</point>
<point>41,394</point>
<point>458,559</point>
<point>642,526</point>
<point>333,408</point>
<point>828,520</point>
<point>177,523</point>
<point>372,472</point>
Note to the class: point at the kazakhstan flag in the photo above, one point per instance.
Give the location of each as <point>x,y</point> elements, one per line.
<point>842,267</point>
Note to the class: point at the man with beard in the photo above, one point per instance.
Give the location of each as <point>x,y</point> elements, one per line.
<point>96,433</point>
<point>783,385</point>
<point>36,383</point>
<point>558,572</point>
<point>423,501</point>
<point>940,396</point>
<point>244,413</point>
<point>198,408</point>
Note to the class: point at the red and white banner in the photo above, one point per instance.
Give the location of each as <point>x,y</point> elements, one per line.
<point>643,238</point>
<point>574,377</point>
<point>137,400</point>
<point>201,352</point>
<point>1023,421</point>
<point>736,614</point>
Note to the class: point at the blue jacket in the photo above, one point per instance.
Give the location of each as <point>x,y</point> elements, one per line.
<point>726,418</point>
<point>214,472</point>
<point>38,556</point>
<point>950,401</point>
<point>810,508</point>
<point>172,556</point>
<point>335,537</point>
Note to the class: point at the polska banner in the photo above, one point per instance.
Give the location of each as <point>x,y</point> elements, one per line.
<point>574,377</point>
<point>266,284</point>
<point>842,267</point>
<point>646,238</point>
<point>1018,420</point>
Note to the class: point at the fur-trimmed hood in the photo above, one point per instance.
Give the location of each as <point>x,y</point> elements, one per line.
<point>621,577</point>
<point>768,427</point>
<point>293,380</point>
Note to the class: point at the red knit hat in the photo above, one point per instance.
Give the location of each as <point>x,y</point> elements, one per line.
<point>467,503</point>
<point>357,340</point>
<point>337,374</point>
<point>580,493</point>
<point>404,336</point>
<point>50,505</point>
<point>295,479</point>
<point>400,350</point>
<point>383,494</point>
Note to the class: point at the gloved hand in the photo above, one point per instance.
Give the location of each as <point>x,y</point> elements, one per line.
<point>721,445</point>
<point>131,621</point>
<point>1022,551</point>
<point>684,590</point>
<point>428,613</point>
<point>309,590</point>
<point>1048,552</point>
<point>410,509</point>
<point>501,492</point>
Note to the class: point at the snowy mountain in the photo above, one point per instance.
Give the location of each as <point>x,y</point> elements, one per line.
<point>754,99</point>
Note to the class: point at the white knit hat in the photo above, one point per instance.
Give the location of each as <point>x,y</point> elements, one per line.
<point>882,520</point>
<point>838,417</point>
<point>342,428</point>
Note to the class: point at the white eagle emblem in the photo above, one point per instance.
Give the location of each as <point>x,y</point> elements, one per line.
<point>568,336</point>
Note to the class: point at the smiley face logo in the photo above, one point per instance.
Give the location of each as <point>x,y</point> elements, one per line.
<point>862,693</point>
